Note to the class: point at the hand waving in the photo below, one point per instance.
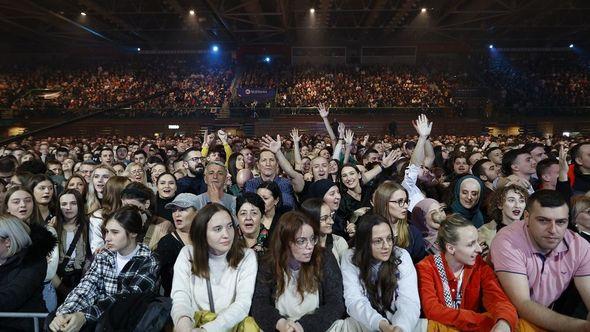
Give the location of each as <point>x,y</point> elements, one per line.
<point>323,111</point>
<point>270,144</point>
<point>295,135</point>
<point>422,126</point>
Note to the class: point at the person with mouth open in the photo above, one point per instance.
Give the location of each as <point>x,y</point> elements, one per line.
<point>184,210</point>
<point>299,284</point>
<point>213,275</point>
<point>249,210</point>
<point>380,286</point>
<point>458,289</point>
<point>538,258</point>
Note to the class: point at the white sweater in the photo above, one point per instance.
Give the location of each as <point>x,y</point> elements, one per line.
<point>232,290</point>
<point>95,234</point>
<point>406,304</point>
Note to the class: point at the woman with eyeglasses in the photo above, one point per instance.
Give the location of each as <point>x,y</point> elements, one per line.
<point>457,288</point>
<point>136,173</point>
<point>299,284</point>
<point>390,201</point>
<point>318,210</point>
<point>380,283</point>
<point>215,274</point>
<point>249,211</point>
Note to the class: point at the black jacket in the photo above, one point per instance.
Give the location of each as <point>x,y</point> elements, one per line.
<point>331,306</point>
<point>21,280</point>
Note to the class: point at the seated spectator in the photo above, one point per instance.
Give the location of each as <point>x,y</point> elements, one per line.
<point>380,284</point>
<point>269,170</point>
<point>249,212</point>
<point>319,210</point>
<point>23,266</point>
<point>166,192</point>
<point>184,211</point>
<point>215,177</point>
<point>427,216</point>
<point>215,274</point>
<point>467,199</point>
<point>126,266</point>
<point>299,284</point>
<point>458,289</point>
<point>529,253</point>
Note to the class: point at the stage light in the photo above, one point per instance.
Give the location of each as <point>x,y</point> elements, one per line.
<point>267,59</point>
<point>139,49</point>
<point>491,46</point>
<point>83,13</point>
<point>173,126</point>
<point>566,134</point>
<point>571,45</point>
<point>312,10</point>
<point>423,10</point>
<point>191,12</point>
<point>215,48</point>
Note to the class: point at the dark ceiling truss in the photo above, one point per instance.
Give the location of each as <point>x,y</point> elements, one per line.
<point>166,24</point>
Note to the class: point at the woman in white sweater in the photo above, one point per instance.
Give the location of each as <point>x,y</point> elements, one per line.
<point>380,283</point>
<point>218,258</point>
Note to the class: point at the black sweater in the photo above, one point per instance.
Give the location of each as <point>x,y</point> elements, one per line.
<point>331,298</point>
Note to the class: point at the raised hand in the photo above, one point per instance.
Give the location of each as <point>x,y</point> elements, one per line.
<point>348,137</point>
<point>323,111</point>
<point>270,144</point>
<point>391,158</point>
<point>563,166</point>
<point>295,135</point>
<point>341,128</point>
<point>422,126</point>
<point>222,136</point>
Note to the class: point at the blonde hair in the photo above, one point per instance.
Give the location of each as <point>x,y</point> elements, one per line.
<point>92,201</point>
<point>447,233</point>
<point>381,199</point>
<point>15,230</point>
<point>579,204</point>
<point>127,172</point>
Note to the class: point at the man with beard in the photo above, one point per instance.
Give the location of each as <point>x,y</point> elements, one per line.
<point>193,182</point>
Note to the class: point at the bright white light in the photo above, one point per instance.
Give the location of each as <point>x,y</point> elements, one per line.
<point>566,134</point>
<point>83,13</point>
<point>173,126</point>
<point>491,46</point>
<point>138,49</point>
<point>423,10</point>
<point>267,59</point>
<point>215,48</point>
<point>571,45</point>
<point>191,12</point>
<point>312,10</point>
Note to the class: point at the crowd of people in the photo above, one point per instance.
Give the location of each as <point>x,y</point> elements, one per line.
<point>328,232</point>
<point>514,81</point>
<point>78,89</point>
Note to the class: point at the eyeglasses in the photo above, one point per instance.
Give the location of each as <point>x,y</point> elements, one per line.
<point>301,242</point>
<point>136,171</point>
<point>379,242</point>
<point>327,217</point>
<point>400,202</point>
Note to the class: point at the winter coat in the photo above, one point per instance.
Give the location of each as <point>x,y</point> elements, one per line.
<point>21,280</point>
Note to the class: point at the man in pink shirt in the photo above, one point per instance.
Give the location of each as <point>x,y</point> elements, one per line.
<point>536,259</point>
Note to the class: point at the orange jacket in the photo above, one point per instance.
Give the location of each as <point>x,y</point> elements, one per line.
<point>480,289</point>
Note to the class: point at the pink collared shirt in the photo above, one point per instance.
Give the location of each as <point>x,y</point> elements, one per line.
<point>512,250</point>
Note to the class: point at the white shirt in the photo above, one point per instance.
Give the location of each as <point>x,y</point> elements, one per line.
<point>232,290</point>
<point>415,195</point>
<point>405,304</point>
<point>121,260</point>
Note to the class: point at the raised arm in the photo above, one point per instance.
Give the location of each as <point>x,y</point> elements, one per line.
<point>423,128</point>
<point>348,138</point>
<point>324,114</point>
<point>275,147</point>
<point>387,161</point>
<point>338,146</point>
<point>428,154</point>
<point>297,154</point>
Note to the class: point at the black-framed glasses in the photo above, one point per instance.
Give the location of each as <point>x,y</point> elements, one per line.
<point>400,202</point>
<point>301,242</point>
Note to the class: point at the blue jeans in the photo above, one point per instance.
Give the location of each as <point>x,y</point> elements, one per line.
<point>50,297</point>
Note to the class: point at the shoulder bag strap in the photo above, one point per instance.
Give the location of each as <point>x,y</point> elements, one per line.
<point>210,294</point>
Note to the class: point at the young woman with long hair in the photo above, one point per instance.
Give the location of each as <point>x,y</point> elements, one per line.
<point>166,192</point>
<point>299,284</point>
<point>216,273</point>
<point>390,201</point>
<point>98,179</point>
<point>43,191</point>
<point>126,266</point>
<point>380,283</point>
<point>318,210</point>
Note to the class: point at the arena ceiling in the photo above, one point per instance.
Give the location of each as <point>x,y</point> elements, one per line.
<point>168,24</point>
